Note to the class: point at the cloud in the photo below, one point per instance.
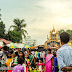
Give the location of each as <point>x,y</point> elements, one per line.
<point>40,16</point>
<point>55,13</point>
<point>55,6</point>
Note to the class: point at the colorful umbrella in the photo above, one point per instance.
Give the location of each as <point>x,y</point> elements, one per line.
<point>26,47</point>
<point>23,47</point>
<point>13,46</point>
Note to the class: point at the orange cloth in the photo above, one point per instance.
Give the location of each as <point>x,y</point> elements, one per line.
<point>8,61</point>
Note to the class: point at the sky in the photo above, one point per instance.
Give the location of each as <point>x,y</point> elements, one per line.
<point>40,15</point>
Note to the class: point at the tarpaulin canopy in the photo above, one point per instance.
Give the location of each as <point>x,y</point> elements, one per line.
<point>5,41</point>
<point>33,47</point>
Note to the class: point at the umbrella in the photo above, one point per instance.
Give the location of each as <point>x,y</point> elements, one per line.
<point>13,46</point>
<point>26,47</point>
<point>5,41</point>
<point>23,47</point>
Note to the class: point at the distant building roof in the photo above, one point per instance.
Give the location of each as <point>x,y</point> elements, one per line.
<point>5,41</point>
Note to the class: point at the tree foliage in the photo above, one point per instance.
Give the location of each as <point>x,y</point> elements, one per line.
<point>2,30</point>
<point>60,31</point>
<point>14,36</point>
<point>68,31</point>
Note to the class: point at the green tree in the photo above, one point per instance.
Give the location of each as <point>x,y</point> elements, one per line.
<point>60,31</point>
<point>19,27</point>
<point>14,36</point>
<point>70,33</point>
<point>2,30</point>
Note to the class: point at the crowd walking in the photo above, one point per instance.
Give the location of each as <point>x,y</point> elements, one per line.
<point>17,60</point>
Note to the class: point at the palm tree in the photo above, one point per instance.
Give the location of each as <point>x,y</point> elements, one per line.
<point>19,26</point>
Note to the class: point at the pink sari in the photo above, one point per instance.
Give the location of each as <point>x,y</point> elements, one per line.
<point>48,63</point>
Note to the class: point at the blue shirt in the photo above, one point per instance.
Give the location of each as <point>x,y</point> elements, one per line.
<point>64,56</point>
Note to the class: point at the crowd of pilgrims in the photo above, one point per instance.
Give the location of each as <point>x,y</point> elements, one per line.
<point>17,60</point>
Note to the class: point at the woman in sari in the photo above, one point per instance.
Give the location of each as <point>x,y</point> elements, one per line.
<point>32,58</point>
<point>49,62</point>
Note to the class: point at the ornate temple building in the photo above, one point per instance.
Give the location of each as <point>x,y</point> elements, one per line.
<point>54,40</point>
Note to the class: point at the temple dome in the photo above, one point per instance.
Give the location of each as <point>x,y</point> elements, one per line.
<point>53,30</point>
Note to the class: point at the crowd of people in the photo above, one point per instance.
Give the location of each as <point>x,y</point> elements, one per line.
<point>18,60</point>
<point>27,60</point>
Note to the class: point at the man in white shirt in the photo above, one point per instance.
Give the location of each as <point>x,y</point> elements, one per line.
<point>64,54</point>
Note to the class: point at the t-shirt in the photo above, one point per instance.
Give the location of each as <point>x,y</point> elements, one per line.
<point>33,52</point>
<point>41,54</point>
<point>36,54</point>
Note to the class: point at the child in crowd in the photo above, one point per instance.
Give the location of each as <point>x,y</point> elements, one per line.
<point>21,55</point>
<point>27,63</point>
<point>41,65</point>
<point>19,67</point>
